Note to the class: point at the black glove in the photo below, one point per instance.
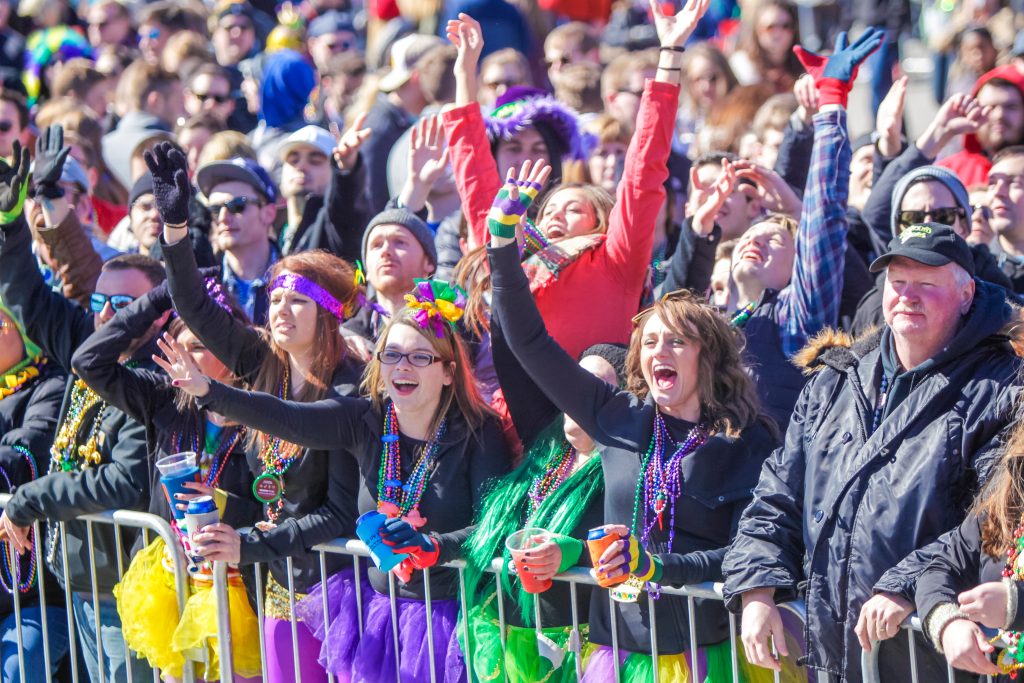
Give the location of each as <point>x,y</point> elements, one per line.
<point>50,156</point>
<point>171,187</point>
<point>160,297</point>
<point>13,184</point>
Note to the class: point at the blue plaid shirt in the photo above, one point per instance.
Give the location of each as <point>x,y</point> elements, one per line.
<point>810,302</point>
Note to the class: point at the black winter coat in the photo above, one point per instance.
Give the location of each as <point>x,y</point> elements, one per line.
<point>838,506</point>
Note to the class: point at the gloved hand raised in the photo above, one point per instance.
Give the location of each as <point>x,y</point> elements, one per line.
<point>13,184</point>
<point>171,186</point>
<point>834,75</point>
<point>50,156</point>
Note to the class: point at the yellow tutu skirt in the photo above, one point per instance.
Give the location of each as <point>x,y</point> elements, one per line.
<point>146,597</point>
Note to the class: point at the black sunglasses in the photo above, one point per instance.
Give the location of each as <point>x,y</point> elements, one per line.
<point>97,302</point>
<point>234,206</point>
<point>946,215</point>
<point>420,359</point>
<point>219,99</point>
<point>5,126</point>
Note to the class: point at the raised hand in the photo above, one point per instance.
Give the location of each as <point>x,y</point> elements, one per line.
<point>834,75</point>
<point>806,97</point>
<point>467,36</point>
<point>180,367</point>
<point>13,184</point>
<point>514,198</point>
<point>171,187</point>
<point>713,198</point>
<point>428,155</point>
<point>346,154</point>
<point>50,156</point>
<point>769,188</point>
<point>675,29</point>
<point>889,119</point>
<point>959,115</point>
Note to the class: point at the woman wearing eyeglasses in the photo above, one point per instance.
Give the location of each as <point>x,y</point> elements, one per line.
<point>146,595</point>
<point>426,445</point>
<point>308,495</point>
<point>683,449</point>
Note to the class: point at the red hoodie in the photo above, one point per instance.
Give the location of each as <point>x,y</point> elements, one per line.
<point>972,164</point>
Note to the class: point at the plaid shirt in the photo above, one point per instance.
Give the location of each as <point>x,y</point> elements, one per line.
<point>810,302</point>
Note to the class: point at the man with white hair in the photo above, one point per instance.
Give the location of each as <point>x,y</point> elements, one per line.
<point>889,442</point>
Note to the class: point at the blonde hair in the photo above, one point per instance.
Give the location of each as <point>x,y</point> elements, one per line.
<point>598,199</point>
<point>225,145</point>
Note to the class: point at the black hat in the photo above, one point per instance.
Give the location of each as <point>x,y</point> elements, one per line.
<point>932,244</point>
<point>144,185</point>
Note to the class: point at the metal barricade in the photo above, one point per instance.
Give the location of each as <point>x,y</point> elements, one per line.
<point>148,523</point>
<point>574,577</point>
<point>915,631</point>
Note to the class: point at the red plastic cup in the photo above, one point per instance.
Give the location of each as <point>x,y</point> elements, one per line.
<point>598,541</point>
<point>517,544</point>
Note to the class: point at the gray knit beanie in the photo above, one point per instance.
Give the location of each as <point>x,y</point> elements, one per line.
<point>408,220</point>
<point>937,173</point>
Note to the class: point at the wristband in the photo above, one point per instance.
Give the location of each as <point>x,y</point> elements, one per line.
<point>832,91</point>
<point>673,48</point>
<point>8,217</point>
<point>669,68</point>
<point>176,226</point>
<point>571,550</point>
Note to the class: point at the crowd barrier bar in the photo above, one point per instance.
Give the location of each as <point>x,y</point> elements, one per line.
<point>915,629</point>
<point>145,521</point>
<point>574,577</point>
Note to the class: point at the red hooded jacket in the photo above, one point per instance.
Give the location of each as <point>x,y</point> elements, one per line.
<point>972,164</point>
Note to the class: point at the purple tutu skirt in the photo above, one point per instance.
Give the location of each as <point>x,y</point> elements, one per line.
<point>371,658</point>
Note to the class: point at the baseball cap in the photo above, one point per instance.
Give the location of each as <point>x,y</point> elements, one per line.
<point>309,136</point>
<point>332,21</point>
<point>244,170</point>
<point>932,244</point>
<point>404,55</point>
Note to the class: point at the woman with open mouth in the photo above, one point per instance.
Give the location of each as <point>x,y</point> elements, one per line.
<point>682,451</point>
<point>426,445</point>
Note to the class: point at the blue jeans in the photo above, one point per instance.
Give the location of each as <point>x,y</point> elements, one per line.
<point>116,659</point>
<point>32,643</point>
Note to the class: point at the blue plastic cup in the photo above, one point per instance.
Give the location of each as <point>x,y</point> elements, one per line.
<point>175,470</point>
<point>368,528</point>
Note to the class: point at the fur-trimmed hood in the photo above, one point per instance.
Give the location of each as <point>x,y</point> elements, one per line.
<point>992,318</point>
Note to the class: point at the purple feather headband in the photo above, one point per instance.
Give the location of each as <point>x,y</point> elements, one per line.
<point>509,119</point>
<point>306,287</point>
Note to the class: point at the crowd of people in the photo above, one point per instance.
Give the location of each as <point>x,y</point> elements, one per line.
<point>564,284</point>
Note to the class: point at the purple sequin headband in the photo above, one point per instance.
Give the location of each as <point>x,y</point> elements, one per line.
<point>306,287</point>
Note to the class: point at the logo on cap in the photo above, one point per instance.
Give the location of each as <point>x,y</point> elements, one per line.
<point>922,231</point>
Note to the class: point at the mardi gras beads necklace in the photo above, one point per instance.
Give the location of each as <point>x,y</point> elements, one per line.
<point>214,454</point>
<point>65,455</point>
<point>7,580</point>
<point>394,498</point>
<point>1011,659</point>
<point>659,484</point>
<point>554,475</point>
<point>740,317</point>
<point>13,382</point>
<point>276,456</point>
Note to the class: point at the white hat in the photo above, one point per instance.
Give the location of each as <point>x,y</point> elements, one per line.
<point>404,54</point>
<point>308,136</point>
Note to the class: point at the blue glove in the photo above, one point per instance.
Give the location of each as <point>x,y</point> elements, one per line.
<point>403,538</point>
<point>834,75</point>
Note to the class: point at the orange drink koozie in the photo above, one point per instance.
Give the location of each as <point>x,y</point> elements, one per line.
<point>598,541</point>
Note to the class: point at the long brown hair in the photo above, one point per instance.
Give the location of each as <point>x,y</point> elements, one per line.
<point>728,398</point>
<point>338,278</point>
<point>780,76</point>
<point>1001,504</point>
<point>462,391</point>
<point>473,274</point>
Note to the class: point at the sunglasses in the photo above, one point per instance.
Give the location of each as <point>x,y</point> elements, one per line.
<point>6,324</point>
<point>420,359</point>
<point>946,215</point>
<point>779,27</point>
<point>240,25</point>
<point>97,302</point>
<point>234,206</point>
<point>674,295</point>
<point>6,126</point>
<point>219,99</point>
<point>151,34</point>
<point>561,61</point>
<point>983,211</point>
<point>340,46</point>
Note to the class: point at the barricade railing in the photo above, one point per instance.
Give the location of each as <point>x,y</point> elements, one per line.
<point>574,577</point>
<point>915,631</point>
<point>119,519</point>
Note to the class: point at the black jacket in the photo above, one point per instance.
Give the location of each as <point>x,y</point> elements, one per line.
<point>149,398</point>
<point>717,478</point>
<point>321,485</point>
<point>335,220</point>
<point>466,461</point>
<point>121,480</point>
<point>838,506</point>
